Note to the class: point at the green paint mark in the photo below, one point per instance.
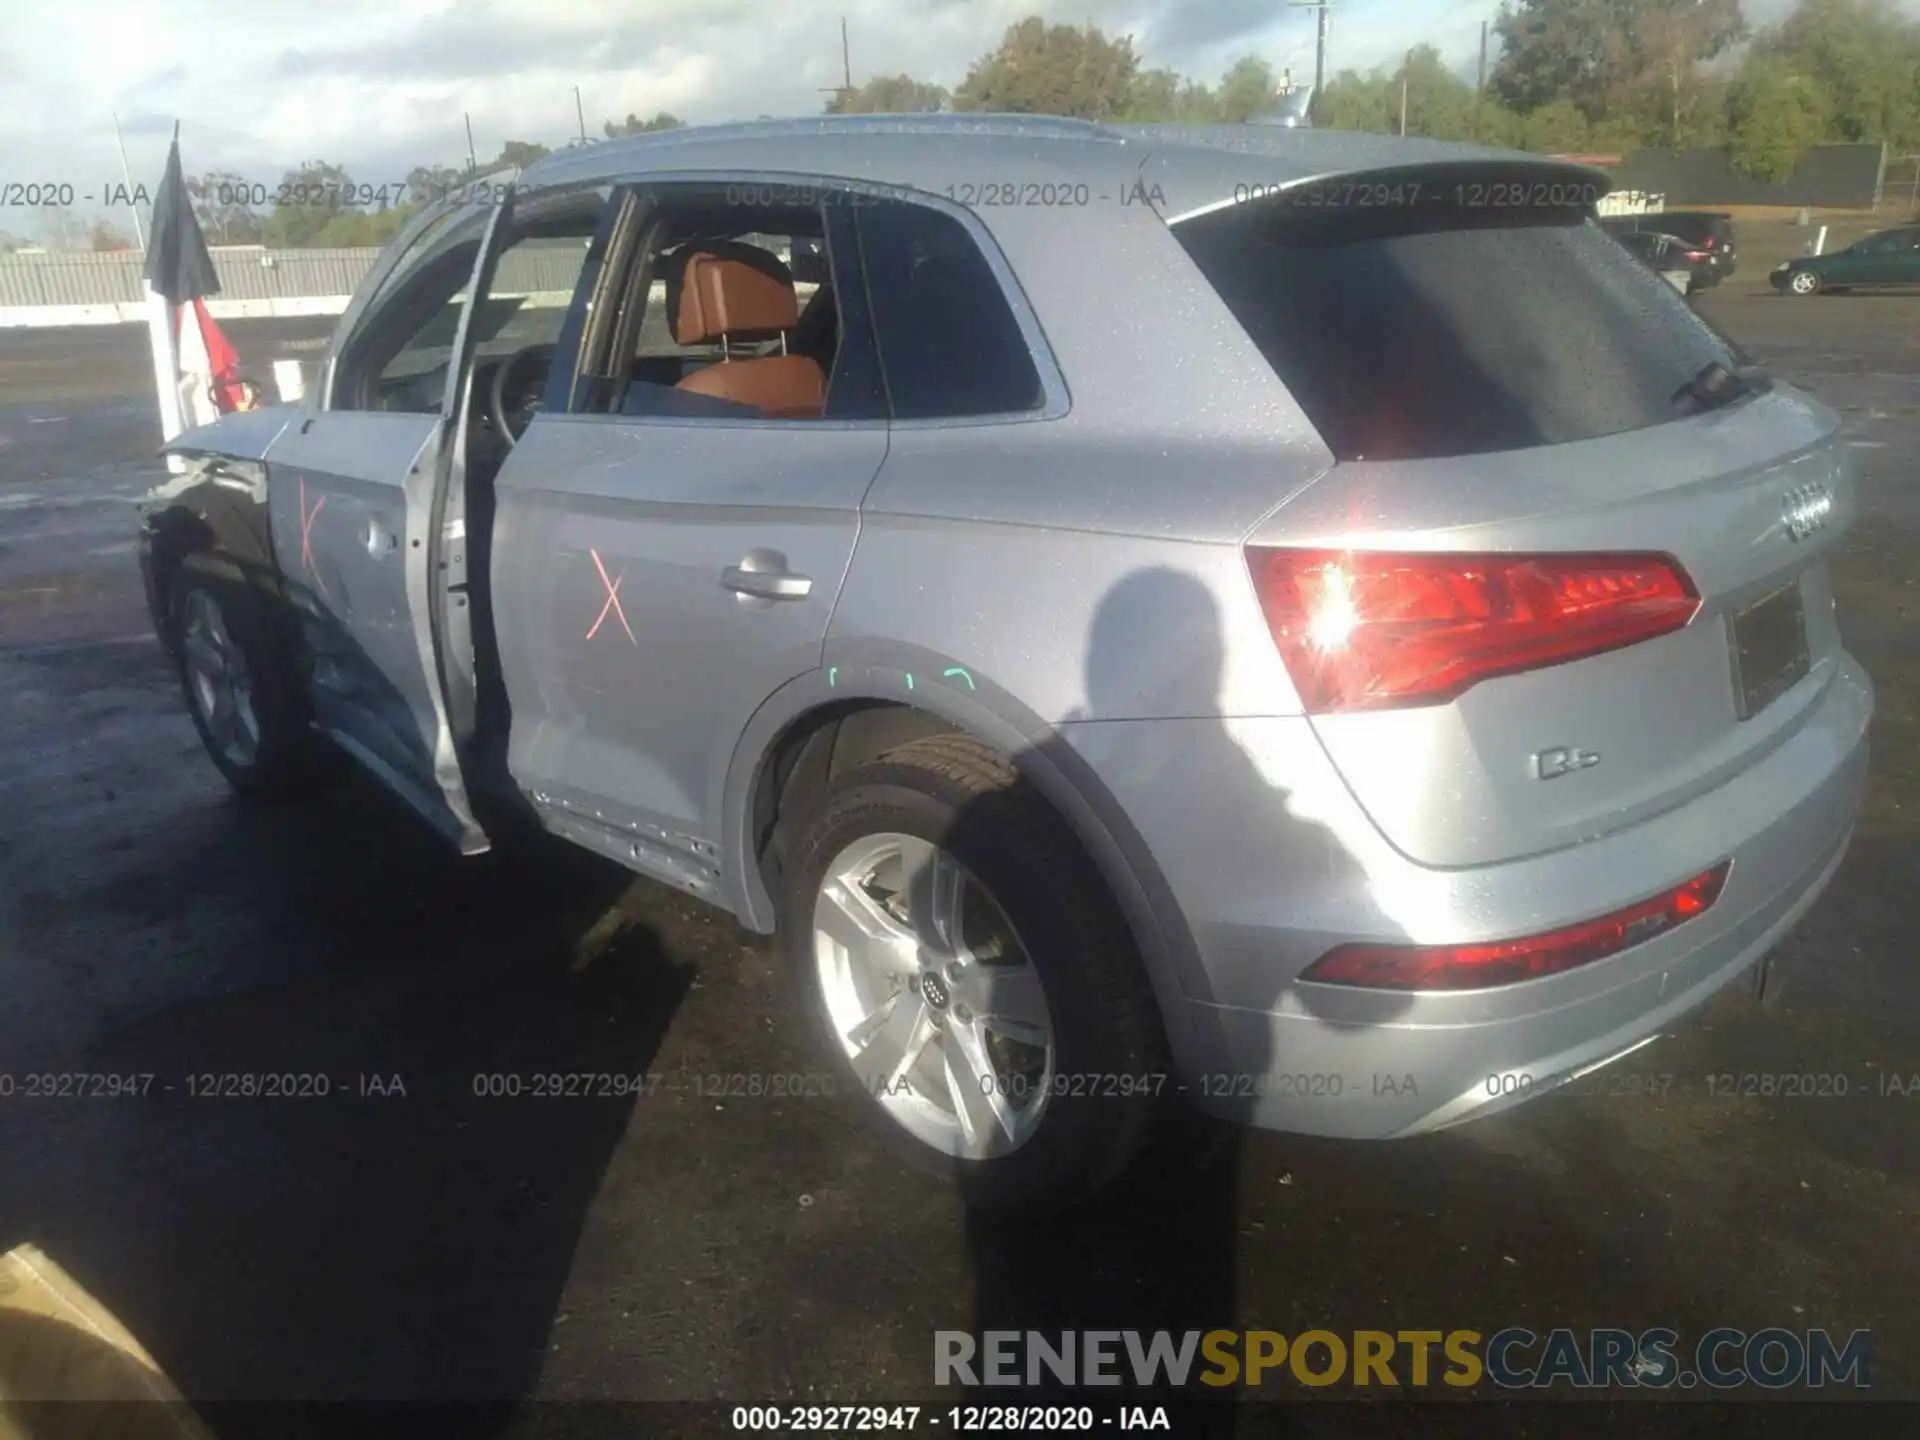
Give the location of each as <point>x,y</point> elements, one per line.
<point>957,670</point>
<point>909,680</point>
<point>832,670</point>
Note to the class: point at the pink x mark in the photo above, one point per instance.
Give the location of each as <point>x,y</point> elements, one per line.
<point>307,517</point>
<point>613,597</point>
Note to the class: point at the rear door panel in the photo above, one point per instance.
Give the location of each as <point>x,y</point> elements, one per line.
<point>630,667</point>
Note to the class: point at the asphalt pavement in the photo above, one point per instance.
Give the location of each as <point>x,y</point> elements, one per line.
<point>406,1236</point>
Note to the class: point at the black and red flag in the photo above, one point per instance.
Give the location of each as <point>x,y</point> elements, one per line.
<point>180,269</point>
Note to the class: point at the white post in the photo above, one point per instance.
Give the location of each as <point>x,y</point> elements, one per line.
<point>289,380</point>
<point>1820,242</point>
<point>166,370</point>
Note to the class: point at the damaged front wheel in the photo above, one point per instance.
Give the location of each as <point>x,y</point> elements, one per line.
<point>241,689</point>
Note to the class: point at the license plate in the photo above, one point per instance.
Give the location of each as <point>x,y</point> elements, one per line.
<point>1768,640</point>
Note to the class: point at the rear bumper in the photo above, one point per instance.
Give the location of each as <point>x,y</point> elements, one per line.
<point>1265,895</point>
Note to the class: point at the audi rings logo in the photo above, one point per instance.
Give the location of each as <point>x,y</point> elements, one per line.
<point>1804,509</point>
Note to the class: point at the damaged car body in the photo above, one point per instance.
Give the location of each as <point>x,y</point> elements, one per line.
<point>1270,610</point>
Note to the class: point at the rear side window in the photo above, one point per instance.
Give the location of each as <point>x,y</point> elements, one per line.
<point>949,342</point>
<point>1420,332</point>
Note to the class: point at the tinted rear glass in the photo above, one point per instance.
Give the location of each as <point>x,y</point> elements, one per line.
<point>949,343</point>
<point>1410,334</point>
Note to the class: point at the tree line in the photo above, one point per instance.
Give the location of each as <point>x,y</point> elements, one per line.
<point>1569,76</point>
<point>1610,76</point>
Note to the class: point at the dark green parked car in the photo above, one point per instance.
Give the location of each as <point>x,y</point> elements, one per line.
<point>1886,257</point>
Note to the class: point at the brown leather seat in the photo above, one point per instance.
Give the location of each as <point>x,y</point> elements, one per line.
<point>737,293</point>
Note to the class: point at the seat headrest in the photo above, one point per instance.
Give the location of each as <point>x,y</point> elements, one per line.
<point>726,289</point>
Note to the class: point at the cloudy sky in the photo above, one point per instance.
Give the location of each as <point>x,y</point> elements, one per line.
<point>380,85</point>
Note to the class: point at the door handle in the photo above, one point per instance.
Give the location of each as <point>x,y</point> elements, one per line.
<point>379,539</point>
<point>763,575</point>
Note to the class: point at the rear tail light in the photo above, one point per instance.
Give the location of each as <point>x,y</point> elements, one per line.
<point>1476,967</point>
<point>1697,255</point>
<point>1362,630</point>
<point>1708,242</point>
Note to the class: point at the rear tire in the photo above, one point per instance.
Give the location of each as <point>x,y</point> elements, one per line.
<point>241,688</point>
<point>949,816</point>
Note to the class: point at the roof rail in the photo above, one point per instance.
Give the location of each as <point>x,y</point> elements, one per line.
<point>1038,127</point>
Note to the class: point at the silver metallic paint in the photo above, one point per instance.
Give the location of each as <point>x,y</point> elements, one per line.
<point>1085,568</point>
<point>672,505</point>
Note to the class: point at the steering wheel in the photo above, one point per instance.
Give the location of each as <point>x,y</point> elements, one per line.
<point>509,409</point>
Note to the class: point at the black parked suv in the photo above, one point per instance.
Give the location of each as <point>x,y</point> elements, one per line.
<point>1709,230</point>
<point>1670,256</point>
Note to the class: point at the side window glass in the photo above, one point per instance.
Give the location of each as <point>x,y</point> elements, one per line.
<point>949,342</point>
<point>533,286</point>
<point>398,356</point>
<point>729,311</point>
<point>520,331</point>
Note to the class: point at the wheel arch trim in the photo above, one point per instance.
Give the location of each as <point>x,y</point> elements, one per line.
<point>1041,754</point>
<point>209,516</point>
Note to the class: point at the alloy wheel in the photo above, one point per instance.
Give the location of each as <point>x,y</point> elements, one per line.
<point>932,996</point>
<point>219,681</point>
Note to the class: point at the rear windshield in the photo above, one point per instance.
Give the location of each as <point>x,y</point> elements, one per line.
<point>1411,333</point>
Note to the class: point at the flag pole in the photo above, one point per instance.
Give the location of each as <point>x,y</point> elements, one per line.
<point>126,171</point>
<point>166,359</point>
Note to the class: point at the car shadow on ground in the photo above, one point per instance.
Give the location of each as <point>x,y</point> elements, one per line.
<point>329,1190</point>
<point>1160,1250</point>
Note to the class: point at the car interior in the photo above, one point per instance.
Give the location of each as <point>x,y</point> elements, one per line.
<point>727,312</point>
<point>716,310</point>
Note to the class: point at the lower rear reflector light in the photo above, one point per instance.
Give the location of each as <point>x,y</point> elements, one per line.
<point>1502,962</point>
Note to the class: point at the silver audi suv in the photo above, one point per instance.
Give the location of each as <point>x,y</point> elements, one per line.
<point>1296,622</point>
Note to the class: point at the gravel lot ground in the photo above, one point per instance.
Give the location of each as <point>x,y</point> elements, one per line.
<point>437,1245</point>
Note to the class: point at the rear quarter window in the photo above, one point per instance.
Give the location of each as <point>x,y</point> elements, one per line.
<point>1410,334</point>
<point>950,345</point>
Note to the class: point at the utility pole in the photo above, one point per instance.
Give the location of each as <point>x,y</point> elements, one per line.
<point>1321,7</point>
<point>1480,85</point>
<point>845,87</point>
<point>1406,68</point>
<point>580,114</point>
<point>472,163</point>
